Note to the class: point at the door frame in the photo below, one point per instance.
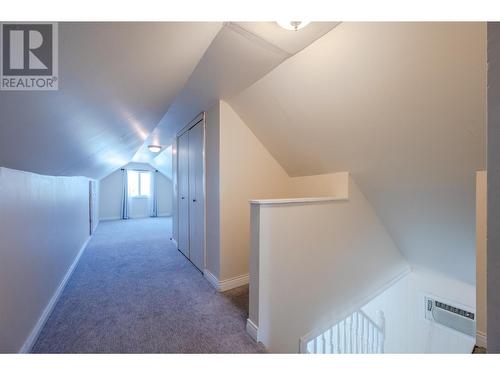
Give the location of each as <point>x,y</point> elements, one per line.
<point>199,118</point>
<point>93,209</point>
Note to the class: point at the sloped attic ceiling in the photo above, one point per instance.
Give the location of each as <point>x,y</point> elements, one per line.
<point>239,55</point>
<point>401,106</point>
<point>116,80</point>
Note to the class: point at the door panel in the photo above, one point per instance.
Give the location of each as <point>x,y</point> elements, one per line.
<point>196,197</point>
<point>183,193</point>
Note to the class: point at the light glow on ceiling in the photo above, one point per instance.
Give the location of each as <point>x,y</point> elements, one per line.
<point>293,25</point>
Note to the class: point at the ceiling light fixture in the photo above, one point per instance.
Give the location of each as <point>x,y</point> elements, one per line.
<point>293,25</point>
<point>154,148</point>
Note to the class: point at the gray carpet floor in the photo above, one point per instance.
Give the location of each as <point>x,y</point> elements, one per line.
<point>134,292</point>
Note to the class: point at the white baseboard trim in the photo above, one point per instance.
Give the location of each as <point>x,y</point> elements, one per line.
<point>211,279</point>
<point>109,218</point>
<point>223,285</point>
<point>234,282</point>
<point>175,243</point>
<point>252,330</point>
<point>481,339</point>
<point>132,217</point>
<point>37,329</point>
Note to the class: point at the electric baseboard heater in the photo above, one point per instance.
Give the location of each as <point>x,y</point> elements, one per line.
<point>450,316</point>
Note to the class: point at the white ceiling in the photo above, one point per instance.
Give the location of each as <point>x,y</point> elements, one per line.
<point>239,55</point>
<point>123,86</point>
<point>401,106</point>
<point>116,80</point>
<point>289,41</point>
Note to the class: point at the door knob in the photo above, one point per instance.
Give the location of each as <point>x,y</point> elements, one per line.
<point>194,200</point>
<point>182,197</point>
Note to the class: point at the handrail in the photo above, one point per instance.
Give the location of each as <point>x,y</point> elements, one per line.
<point>380,325</point>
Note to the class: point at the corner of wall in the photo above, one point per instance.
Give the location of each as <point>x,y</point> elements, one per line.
<point>247,170</point>
<point>212,182</point>
<point>481,254</point>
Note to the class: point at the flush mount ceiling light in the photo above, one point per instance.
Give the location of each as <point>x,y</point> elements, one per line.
<point>293,25</point>
<point>154,149</point>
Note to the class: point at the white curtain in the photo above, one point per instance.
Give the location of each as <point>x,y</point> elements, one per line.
<point>124,205</point>
<point>154,194</point>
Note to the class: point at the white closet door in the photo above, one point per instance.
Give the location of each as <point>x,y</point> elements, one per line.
<point>196,197</point>
<point>183,193</point>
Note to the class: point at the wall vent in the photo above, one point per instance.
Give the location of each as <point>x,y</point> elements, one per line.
<point>450,316</point>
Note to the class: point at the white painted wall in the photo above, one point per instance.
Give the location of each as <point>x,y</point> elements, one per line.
<point>111,191</point>
<point>407,330</point>
<point>212,178</point>
<point>323,185</point>
<point>165,198</point>
<point>110,188</point>
<point>481,255</point>
<point>402,107</point>
<point>163,162</point>
<point>332,255</point>
<point>247,171</point>
<point>44,222</point>
<point>239,168</point>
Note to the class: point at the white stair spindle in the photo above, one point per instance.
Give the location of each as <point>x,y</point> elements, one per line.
<point>362,334</point>
<point>356,333</point>
<point>350,335</point>
<point>356,316</point>
<point>331,341</point>
<point>367,339</point>
<point>373,340</point>
<point>344,344</point>
<point>381,323</point>
<point>338,339</point>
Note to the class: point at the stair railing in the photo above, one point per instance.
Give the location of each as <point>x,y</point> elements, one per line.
<point>355,334</point>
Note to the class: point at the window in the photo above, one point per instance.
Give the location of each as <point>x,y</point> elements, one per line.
<point>139,184</point>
